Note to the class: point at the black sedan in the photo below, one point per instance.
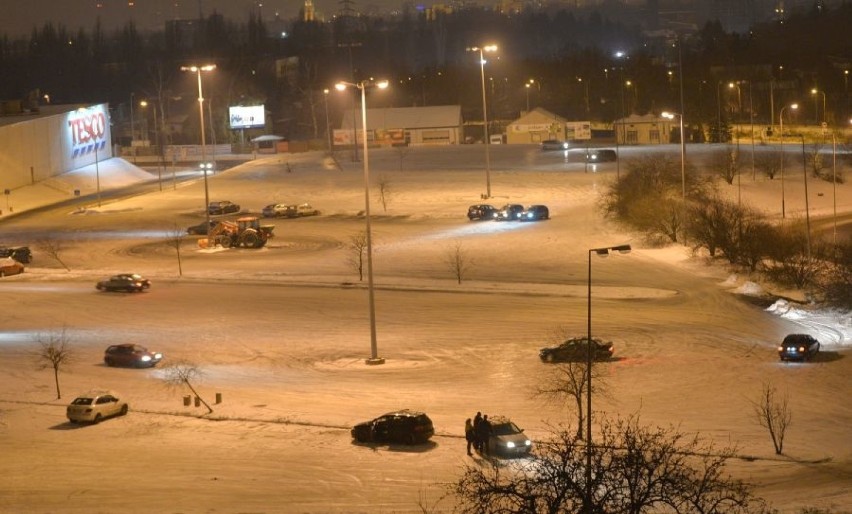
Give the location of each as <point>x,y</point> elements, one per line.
<point>124,282</point>
<point>535,213</point>
<point>509,212</point>
<point>131,355</point>
<point>222,207</point>
<point>403,426</point>
<point>798,347</point>
<point>481,212</point>
<point>577,350</point>
<point>201,228</point>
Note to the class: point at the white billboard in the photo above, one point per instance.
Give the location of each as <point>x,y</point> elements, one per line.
<point>86,137</point>
<point>247,116</point>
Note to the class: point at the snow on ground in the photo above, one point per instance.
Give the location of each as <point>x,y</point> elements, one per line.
<point>282,332</point>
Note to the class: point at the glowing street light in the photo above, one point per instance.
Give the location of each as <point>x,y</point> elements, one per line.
<point>601,252</point>
<point>815,92</point>
<point>363,86</point>
<point>481,49</point>
<point>671,116</point>
<point>197,70</point>
<point>781,123</point>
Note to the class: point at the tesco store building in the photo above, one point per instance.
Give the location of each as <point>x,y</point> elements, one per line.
<point>55,140</point>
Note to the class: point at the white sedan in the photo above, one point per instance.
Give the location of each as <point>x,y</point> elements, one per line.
<point>95,406</point>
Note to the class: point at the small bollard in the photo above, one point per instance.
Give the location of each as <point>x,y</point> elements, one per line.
<point>187,400</point>
<point>218,398</point>
<point>197,401</point>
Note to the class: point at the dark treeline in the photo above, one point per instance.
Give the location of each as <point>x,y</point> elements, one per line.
<point>567,59</point>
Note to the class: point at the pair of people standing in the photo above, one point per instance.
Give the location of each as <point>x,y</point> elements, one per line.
<point>477,432</point>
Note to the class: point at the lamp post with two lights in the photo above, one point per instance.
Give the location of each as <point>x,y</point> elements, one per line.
<point>481,50</point>
<point>197,70</point>
<point>363,86</point>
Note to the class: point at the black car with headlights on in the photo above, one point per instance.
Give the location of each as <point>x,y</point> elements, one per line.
<point>402,426</point>
<point>481,212</point>
<point>577,350</point>
<point>798,347</point>
<point>124,282</point>
<point>509,212</point>
<point>535,213</point>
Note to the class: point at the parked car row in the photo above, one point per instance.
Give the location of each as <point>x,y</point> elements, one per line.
<point>509,212</point>
<point>283,210</point>
<point>414,427</point>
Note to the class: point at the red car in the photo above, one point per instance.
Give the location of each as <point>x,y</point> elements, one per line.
<point>10,266</point>
<point>131,355</point>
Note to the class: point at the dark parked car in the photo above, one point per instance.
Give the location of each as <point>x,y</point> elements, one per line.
<point>798,347</point>
<point>554,144</point>
<point>481,212</point>
<point>535,212</point>
<point>507,440</point>
<point>121,283</point>
<point>509,212</point>
<point>403,426</point>
<point>201,228</point>
<point>21,254</point>
<point>576,350</point>
<point>223,207</point>
<point>131,355</point>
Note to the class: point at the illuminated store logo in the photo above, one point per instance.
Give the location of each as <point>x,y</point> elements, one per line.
<point>87,129</point>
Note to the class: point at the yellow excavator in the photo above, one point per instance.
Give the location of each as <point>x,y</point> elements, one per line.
<point>246,232</point>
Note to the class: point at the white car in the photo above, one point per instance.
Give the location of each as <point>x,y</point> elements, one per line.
<point>95,406</point>
<point>306,209</point>
<point>507,440</point>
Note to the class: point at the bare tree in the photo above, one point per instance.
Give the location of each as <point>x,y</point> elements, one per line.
<point>175,238</point>
<point>772,412</point>
<point>385,191</point>
<point>635,469</point>
<point>458,261</point>
<point>726,164</point>
<point>568,381</point>
<point>182,372</point>
<point>356,253</point>
<point>53,248</point>
<point>54,352</point>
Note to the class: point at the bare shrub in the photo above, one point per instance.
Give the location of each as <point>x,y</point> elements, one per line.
<point>768,163</point>
<point>175,239</point>
<point>772,412</point>
<point>385,191</point>
<point>725,164</point>
<point>54,352</point>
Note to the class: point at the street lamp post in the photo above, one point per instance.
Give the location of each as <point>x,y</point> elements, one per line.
<point>132,128</point>
<point>815,92</point>
<point>363,86</point>
<point>197,70</point>
<point>807,206</point>
<point>602,252</point>
<point>481,49</point>
<point>671,115</point>
<point>327,126</point>
<point>527,88</point>
<point>781,132</point>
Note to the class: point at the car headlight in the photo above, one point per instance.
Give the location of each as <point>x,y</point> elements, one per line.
<point>510,444</point>
<point>780,348</point>
<point>528,442</point>
<point>158,355</point>
<point>801,348</point>
<point>146,358</point>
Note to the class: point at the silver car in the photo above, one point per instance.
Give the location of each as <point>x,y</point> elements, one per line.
<point>507,440</point>
<point>94,406</point>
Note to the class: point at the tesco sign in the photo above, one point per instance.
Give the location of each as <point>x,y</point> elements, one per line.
<point>88,130</point>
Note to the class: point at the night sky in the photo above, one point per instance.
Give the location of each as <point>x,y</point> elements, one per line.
<point>18,17</point>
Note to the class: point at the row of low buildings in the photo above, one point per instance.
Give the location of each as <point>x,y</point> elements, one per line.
<point>444,125</point>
